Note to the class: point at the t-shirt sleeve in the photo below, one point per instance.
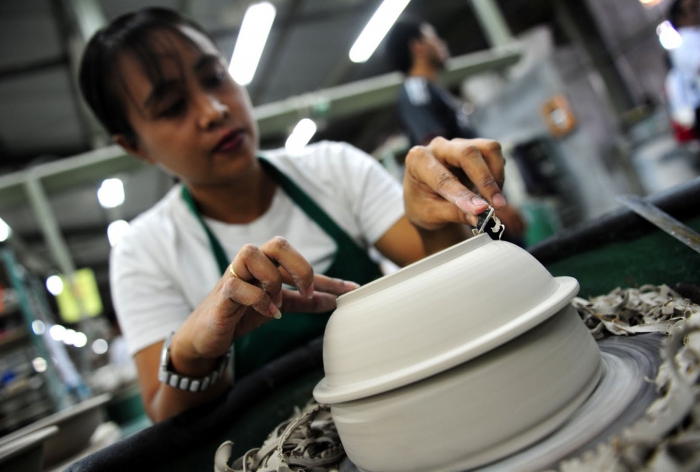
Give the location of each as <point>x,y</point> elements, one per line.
<point>148,303</point>
<point>374,196</point>
<point>416,114</point>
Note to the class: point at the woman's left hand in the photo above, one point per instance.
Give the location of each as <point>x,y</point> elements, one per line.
<point>442,181</point>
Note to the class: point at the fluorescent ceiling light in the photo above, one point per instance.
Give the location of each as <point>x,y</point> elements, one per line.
<point>251,40</point>
<point>668,36</point>
<point>111,193</point>
<point>380,24</point>
<point>116,230</point>
<point>54,285</point>
<point>5,230</point>
<point>300,137</point>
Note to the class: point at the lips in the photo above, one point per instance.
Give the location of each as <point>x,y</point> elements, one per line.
<point>230,141</point>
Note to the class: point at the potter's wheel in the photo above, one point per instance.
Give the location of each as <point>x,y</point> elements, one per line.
<point>620,398</point>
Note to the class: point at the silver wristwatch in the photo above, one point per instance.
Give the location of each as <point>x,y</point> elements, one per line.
<point>182,382</point>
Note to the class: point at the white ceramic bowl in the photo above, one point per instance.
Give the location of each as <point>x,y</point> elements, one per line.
<point>435,314</point>
<point>479,411</point>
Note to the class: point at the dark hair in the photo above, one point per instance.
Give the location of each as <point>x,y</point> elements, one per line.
<point>675,12</point>
<point>398,44</point>
<point>99,76</point>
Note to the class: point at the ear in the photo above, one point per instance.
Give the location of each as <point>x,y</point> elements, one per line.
<point>417,48</point>
<point>132,146</point>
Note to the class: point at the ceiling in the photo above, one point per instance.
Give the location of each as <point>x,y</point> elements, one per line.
<point>307,50</point>
<point>42,118</point>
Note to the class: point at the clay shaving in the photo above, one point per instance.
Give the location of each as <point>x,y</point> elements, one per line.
<point>306,442</point>
<point>667,439</point>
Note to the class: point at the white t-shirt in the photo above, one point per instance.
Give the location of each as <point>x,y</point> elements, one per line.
<point>164,266</point>
<point>686,59</point>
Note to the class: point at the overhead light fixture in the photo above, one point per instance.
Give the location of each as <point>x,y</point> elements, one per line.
<point>111,193</point>
<point>300,137</point>
<point>5,230</point>
<point>100,346</point>
<point>116,230</point>
<point>39,364</point>
<point>251,40</point>
<point>54,284</point>
<point>378,26</point>
<point>668,36</point>
<point>80,339</point>
<point>38,327</point>
<point>57,332</point>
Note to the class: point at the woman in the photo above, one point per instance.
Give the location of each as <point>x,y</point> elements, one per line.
<point>209,261</point>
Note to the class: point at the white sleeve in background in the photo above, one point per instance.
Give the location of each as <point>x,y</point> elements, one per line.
<point>148,303</point>
<point>686,58</point>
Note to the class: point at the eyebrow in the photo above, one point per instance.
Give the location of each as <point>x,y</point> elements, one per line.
<point>205,61</point>
<point>162,89</point>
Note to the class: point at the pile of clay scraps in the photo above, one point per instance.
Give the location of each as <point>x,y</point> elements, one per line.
<point>308,442</point>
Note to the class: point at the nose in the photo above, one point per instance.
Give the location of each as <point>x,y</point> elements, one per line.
<point>212,112</point>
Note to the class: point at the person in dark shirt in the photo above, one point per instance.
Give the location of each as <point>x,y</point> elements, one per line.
<point>426,109</point>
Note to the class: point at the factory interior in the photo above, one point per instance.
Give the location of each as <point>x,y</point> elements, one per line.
<point>589,109</point>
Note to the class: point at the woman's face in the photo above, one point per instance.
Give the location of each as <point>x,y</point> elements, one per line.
<point>197,122</point>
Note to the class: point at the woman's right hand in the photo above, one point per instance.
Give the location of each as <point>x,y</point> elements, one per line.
<point>240,303</point>
<point>237,305</point>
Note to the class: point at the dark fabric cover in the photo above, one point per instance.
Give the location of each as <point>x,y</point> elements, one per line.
<point>178,437</point>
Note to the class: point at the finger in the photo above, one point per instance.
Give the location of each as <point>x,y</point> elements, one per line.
<point>332,285</point>
<point>290,260</point>
<point>427,170</point>
<point>319,303</point>
<point>243,294</point>
<point>251,263</point>
<point>492,153</point>
<point>467,154</point>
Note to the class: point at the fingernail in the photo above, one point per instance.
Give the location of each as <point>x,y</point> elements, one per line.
<point>278,300</point>
<point>499,201</point>
<point>352,285</point>
<point>275,312</point>
<point>479,202</point>
<point>310,291</point>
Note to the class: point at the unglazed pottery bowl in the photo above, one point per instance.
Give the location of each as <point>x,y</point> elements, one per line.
<point>455,361</point>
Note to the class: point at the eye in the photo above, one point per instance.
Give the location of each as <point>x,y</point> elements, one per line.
<point>174,109</point>
<point>215,79</point>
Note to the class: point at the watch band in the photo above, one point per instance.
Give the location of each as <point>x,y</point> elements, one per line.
<point>183,382</point>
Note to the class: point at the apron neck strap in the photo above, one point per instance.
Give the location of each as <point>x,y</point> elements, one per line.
<point>219,253</point>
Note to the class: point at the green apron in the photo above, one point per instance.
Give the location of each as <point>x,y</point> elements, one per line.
<point>278,337</point>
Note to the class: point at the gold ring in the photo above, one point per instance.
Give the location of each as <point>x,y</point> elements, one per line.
<point>233,272</point>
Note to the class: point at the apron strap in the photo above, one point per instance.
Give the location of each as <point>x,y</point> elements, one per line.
<point>219,253</point>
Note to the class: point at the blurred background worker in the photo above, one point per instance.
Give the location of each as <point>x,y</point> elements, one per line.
<point>426,109</point>
<point>684,15</point>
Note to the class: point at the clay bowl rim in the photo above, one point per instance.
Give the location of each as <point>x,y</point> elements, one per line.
<point>567,288</point>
